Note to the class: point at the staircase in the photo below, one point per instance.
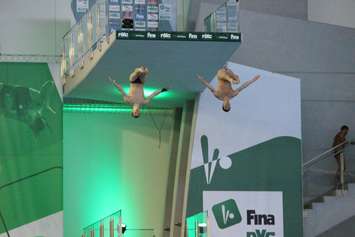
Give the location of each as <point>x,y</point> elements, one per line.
<point>325,207</point>
<point>333,210</point>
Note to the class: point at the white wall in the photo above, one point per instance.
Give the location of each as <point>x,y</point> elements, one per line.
<point>33,27</point>
<point>339,12</point>
<point>49,226</point>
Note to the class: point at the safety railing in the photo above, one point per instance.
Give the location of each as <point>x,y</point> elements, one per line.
<point>113,226</point>
<point>224,19</point>
<point>322,175</point>
<point>108,226</point>
<point>106,16</point>
<point>84,36</point>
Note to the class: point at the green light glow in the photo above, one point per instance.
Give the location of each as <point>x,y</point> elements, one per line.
<point>149,90</point>
<point>105,108</point>
<point>96,108</point>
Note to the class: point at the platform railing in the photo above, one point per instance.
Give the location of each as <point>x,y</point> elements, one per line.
<point>321,175</point>
<point>224,19</point>
<point>84,36</point>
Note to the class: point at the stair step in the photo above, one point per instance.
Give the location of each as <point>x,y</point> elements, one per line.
<point>340,192</point>
<point>329,199</point>
<point>317,205</point>
<point>351,188</point>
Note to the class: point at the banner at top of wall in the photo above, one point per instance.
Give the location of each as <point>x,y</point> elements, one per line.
<point>178,36</point>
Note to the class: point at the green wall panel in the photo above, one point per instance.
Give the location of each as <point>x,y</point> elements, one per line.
<point>263,167</point>
<point>114,162</point>
<point>27,91</point>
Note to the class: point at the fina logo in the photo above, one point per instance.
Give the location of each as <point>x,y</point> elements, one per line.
<point>234,37</point>
<point>192,36</point>
<point>227,214</point>
<point>151,35</point>
<point>210,162</point>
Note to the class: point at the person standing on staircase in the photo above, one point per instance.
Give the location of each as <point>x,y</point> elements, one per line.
<point>339,144</point>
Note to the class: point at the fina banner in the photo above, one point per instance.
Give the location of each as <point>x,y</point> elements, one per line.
<point>246,165</point>
<point>252,214</point>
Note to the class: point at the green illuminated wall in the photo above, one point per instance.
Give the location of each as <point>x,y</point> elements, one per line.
<point>114,162</point>
<point>26,150</point>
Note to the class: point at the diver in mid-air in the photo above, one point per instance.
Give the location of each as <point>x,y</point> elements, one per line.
<point>224,90</point>
<point>135,96</point>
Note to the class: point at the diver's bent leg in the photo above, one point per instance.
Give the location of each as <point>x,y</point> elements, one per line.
<point>248,83</point>
<point>119,87</point>
<point>154,94</point>
<point>206,83</point>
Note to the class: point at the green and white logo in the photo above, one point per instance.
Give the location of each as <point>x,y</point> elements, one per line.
<point>210,162</point>
<point>226,214</point>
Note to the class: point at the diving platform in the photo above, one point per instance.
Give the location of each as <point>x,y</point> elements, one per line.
<point>174,59</point>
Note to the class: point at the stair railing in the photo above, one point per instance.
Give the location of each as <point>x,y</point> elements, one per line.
<point>318,175</point>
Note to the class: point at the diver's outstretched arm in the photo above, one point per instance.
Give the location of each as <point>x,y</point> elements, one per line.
<point>119,87</point>
<point>155,93</point>
<point>206,83</point>
<point>245,85</point>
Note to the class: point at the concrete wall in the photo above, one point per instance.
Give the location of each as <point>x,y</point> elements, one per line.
<point>287,8</point>
<point>340,12</point>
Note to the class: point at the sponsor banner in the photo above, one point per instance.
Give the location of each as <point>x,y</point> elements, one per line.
<point>127,2</point>
<point>82,6</point>
<point>114,15</point>
<point>153,24</point>
<point>248,213</point>
<point>127,11</point>
<point>140,12</point>
<point>114,8</point>
<point>152,2</point>
<point>142,2</point>
<point>165,12</point>
<point>139,24</point>
<point>127,8</point>
<point>152,9</point>
<point>153,17</point>
<point>186,36</point>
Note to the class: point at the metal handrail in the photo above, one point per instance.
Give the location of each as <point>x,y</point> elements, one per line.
<point>326,154</point>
